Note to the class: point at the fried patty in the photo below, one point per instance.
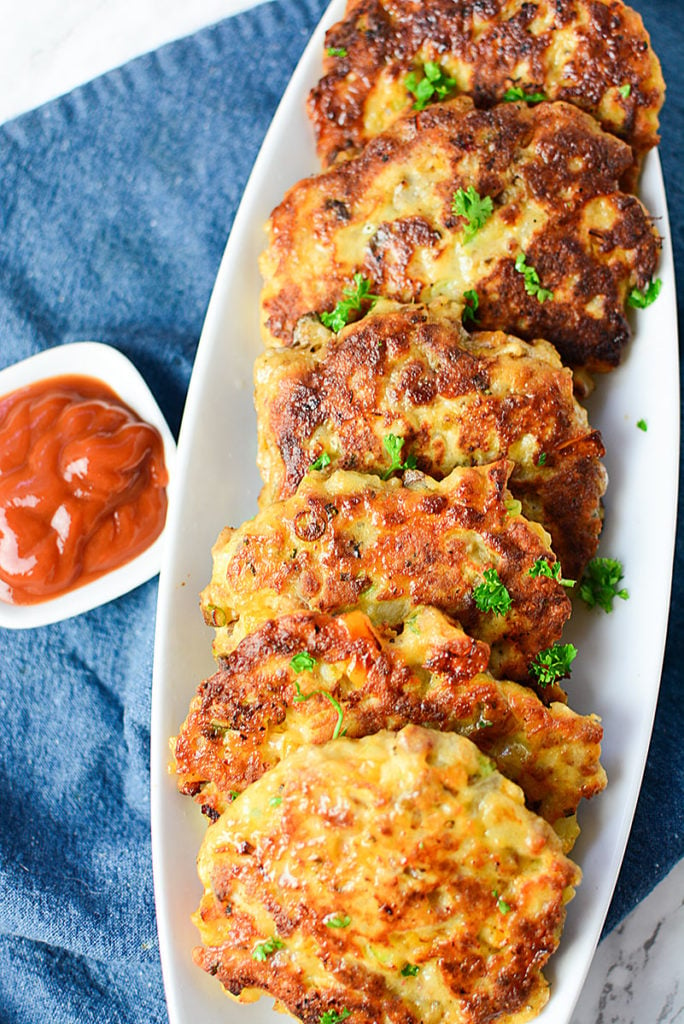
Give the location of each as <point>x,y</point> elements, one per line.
<point>595,54</point>
<point>385,547</point>
<point>558,213</point>
<point>308,677</point>
<point>396,878</point>
<point>455,399</point>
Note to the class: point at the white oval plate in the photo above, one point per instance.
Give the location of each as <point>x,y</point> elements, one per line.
<point>617,672</point>
<point>91,359</point>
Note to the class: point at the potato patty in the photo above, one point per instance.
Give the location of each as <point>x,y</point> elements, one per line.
<point>595,54</point>
<point>396,878</point>
<point>356,541</point>
<point>558,218</point>
<point>412,372</point>
<point>308,677</point>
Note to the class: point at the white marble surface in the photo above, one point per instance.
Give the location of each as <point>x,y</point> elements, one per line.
<point>637,976</point>
<point>50,46</point>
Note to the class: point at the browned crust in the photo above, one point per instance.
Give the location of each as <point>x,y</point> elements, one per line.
<point>230,737</point>
<point>422,886</point>
<point>589,242</point>
<point>488,47</point>
<point>355,541</point>
<point>455,399</point>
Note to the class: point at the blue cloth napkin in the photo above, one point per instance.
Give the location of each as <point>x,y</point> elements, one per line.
<point>115,205</point>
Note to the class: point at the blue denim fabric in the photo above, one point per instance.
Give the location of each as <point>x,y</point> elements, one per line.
<point>115,205</point>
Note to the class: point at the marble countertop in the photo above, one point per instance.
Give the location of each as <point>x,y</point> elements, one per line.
<point>52,46</point>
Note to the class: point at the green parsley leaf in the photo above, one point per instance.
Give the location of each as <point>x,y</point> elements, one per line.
<point>476,209</point>
<point>472,304</point>
<point>393,446</point>
<point>275,801</point>
<point>433,83</point>
<point>516,92</point>
<point>409,970</point>
<point>336,51</point>
<point>504,907</point>
<point>262,950</point>
<point>355,296</point>
<point>492,596</point>
<point>302,662</point>
<point>299,697</point>
<point>541,461</point>
<point>553,570</point>
<point>321,462</point>
<point>642,425</point>
<point>553,663</point>
<point>333,1017</point>
<point>337,921</point>
<point>233,794</point>
<point>532,282</point>
<point>625,90</point>
<point>640,300</point>
<point>599,585</point>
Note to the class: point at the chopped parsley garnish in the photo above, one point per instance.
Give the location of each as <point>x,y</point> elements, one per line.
<point>262,950</point>
<point>354,298</point>
<point>504,907</point>
<point>299,697</point>
<point>492,596</point>
<point>541,461</point>
<point>475,208</point>
<point>336,51</point>
<point>333,1017</point>
<point>217,615</point>
<point>640,300</point>
<point>625,90</point>
<point>600,583</point>
<point>409,970</point>
<point>393,446</point>
<point>516,92</point>
<point>233,794</point>
<point>434,83</point>
<point>553,663</point>
<point>642,425</point>
<point>337,921</point>
<point>275,801</point>
<point>410,623</point>
<point>553,570</point>
<point>302,662</point>
<point>321,462</point>
<point>472,304</point>
<point>532,282</point>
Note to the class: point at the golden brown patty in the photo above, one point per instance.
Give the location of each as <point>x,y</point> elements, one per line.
<point>356,541</point>
<point>396,878</point>
<point>595,54</point>
<point>309,677</point>
<point>551,174</point>
<point>455,399</point>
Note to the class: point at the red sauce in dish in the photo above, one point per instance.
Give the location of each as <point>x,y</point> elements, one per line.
<point>82,487</point>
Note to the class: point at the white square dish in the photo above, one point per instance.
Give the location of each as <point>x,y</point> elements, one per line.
<point>102,362</point>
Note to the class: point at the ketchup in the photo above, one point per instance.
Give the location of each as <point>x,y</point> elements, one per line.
<point>82,487</point>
